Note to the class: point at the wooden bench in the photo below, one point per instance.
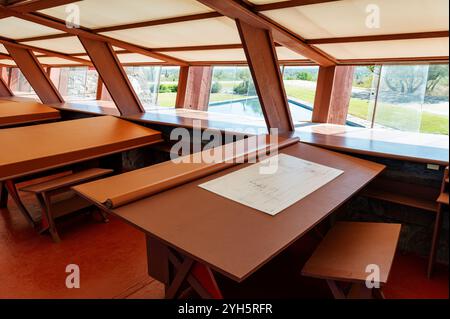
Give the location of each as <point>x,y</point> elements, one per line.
<point>442,201</point>
<point>353,253</point>
<point>57,199</point>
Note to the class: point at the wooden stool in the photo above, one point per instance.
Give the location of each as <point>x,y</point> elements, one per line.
<point>52,209</point>
<point>348,254</point>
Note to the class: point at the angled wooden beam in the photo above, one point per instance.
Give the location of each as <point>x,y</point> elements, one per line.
<point>262,59</point>
<point>237,10</point>
<point>87,34</point>
<point>113,75</point>
<point>382,37</point>
<point>4,89</point>
<point>333,93</point>
<point>182,86</point>
<point>35,74</point>
<point>288,4</point>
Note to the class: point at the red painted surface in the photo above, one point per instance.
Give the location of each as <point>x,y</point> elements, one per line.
<point>112,261</point>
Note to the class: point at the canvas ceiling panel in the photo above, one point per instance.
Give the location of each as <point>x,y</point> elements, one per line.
<point>3,49</point>
<point>265,1</point>
<point>98,13</point>
<point>287,54</point>
<point>210,55</point>
<point>15,28</point>
<point>136,58</point>
<point>348,18</point>
<point>388,49</point>
<point>67,45</point>
<point>199,32</point>
<point>7,62</point>
<point>56,61</point>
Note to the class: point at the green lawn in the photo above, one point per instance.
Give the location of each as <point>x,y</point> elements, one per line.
<point>392,116</point>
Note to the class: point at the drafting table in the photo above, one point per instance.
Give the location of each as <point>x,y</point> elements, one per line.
<point>19,113</point>
<point>192,233</point>
<point>39,148</point>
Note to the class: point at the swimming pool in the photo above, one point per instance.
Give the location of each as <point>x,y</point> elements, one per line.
<point>300,111</point>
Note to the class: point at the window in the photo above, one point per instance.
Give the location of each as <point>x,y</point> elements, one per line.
<point>76,83</point>
<point>19,84</point>
<point>413,98</point>
<point>233,92</point>
<point>300,84</point>
<point>155,85</point>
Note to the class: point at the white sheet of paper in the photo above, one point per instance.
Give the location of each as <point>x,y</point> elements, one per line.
<point>272,193</point>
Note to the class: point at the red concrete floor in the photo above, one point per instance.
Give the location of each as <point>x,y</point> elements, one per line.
<point>112,262</point>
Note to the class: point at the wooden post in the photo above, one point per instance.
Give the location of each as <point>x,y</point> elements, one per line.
<point>194,87</point>
<point>35,74</point>
<point>182,86</point>
<point>333,93</point>
<point>4,89</point>
<point>263,62</point>
<point>113,76</point>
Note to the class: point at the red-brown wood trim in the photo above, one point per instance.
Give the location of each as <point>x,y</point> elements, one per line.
<point>35,74</point>
<point>113,76</point>
<point>36,5</point>
<point>262,59</point>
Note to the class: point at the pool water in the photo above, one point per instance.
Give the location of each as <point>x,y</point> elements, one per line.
<point>251,107</point>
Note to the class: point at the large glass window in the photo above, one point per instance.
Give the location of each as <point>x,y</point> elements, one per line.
<point>19,84</point>
<point>168,87</point>
<point>155,85</point>
<point>413,98</point>
<point>300,84</point>
<point>233,92</point>
<point>76,83</point>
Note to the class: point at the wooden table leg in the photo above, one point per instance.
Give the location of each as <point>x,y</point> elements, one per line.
<point>3,195</point>
<point>435,241</point>
<point>11,187</point>
<point>176,271</point>
<point>47,216</point>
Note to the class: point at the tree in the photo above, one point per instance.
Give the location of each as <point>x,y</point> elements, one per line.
<point>436,74</point>
<point>404,79</point>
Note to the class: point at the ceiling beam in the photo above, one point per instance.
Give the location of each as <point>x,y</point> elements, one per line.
<point>263,63</point>
<point>113,76</point>
<point>35,74</point>
<point>36,5</point>
<point>383,37</point>
<point>60,25</point>
<point>288,4</point>
<point>240,12</point>
<point>44,51</point>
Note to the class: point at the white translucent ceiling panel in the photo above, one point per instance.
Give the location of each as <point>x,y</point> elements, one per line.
<point>265,1</point>
<point>210,55</point>
<point>287,54</point>
<point>65,45</point>
<point>136,58</point>
<point>199,32</point>
<point>15,28</point>
<point>7,62</point>
<point>3,49</point>
<point>348,17</point>
<point>101,13</point>
<point>56,61</point>
<point>388,49</point>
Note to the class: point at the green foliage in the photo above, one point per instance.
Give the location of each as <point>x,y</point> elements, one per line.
<point>216,87</point>
<point>244,87</point>
<point>168,88</point>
